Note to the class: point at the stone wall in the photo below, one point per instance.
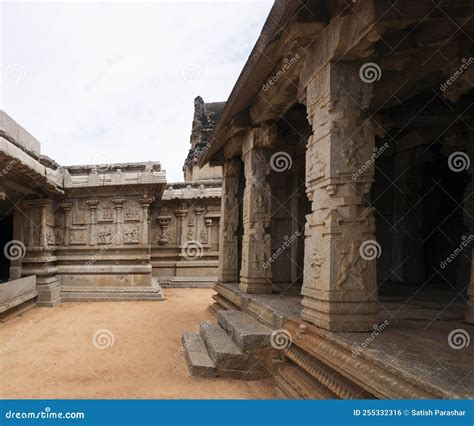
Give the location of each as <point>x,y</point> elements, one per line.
<point>185,234</point>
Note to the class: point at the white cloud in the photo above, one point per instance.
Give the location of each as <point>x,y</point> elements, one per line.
<point>106,79</point>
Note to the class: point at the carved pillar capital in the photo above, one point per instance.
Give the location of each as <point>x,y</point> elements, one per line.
<point>92,204</point>
<point>118,202</point>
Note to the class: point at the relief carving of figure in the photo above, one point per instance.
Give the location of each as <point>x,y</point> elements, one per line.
<point>131,214</point>
<point>104,237</point>
<point>320,165</point>
<point>260,201</point>
<point>189,235</point>
<point>349,154</point>
<point>317,263</point>
<point>351,264</point>
<point>132,236</point>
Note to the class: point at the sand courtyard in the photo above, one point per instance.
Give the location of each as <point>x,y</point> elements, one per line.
<point>112,350</point>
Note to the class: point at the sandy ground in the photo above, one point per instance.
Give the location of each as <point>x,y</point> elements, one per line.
<point>50,352</point>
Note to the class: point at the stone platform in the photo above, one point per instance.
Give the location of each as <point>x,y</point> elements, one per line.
<point>408,354</point>
<point>90,294</point>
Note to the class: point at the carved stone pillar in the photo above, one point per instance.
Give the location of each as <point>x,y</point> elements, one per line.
<point>180,234</point>
<point>118,237</point>
<point>93,221</point>
<point>228,271</point>
<point>198,211</point>
<point>40,257</point>
<point>67,207</point>
<point>339,288</point>
<point>297,221</point>
<point>145,203</point>
<point>44,205</point>
<point>256,242</point>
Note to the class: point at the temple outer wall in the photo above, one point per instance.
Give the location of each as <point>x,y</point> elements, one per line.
<point>185,234</point>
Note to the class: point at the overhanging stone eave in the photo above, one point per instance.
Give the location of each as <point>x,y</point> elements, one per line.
<point>16,161</point>
<point>280,14</point>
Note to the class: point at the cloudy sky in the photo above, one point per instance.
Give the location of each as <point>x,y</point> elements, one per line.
<point>101,82</point>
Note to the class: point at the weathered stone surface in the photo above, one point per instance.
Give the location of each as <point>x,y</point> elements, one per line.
<point>14,293</point>
<point>77,294</point>
<point>248,333</point>
<point>256,215</point>
<point>197,358</point>
<point>222,350</point>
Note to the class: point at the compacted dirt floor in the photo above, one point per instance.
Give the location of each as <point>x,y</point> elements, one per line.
<point>112,350</point>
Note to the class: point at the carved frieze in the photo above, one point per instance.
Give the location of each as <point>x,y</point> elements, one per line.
<point>131,235</point>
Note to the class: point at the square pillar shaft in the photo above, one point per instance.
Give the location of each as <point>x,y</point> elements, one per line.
<point>340,287</point>
<point>256,276</point>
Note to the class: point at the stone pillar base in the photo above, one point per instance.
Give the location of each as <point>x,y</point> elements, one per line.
<point>470,311</point>
<point>252,287</point>
<point>340,316</point>
<point>49,290</point>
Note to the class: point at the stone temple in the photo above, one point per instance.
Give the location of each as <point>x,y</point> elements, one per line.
<point>104,231</point>
<point>329,202</point>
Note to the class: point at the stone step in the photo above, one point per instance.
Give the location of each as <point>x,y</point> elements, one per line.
<point>249,334</point>
<point>222,350</point>
<point>197,357</point>
<point>229,360</point>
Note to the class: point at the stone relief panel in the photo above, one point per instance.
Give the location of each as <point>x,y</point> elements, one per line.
<point>131,234</point>
<point>105,235</point>
<point>175,223</point>
<point>79,236</point>
<point>99,220</point>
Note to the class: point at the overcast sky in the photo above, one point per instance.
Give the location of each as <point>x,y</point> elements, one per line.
<point>115,82</point>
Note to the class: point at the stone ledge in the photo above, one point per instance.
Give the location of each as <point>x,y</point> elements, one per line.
<point>382,381</point>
